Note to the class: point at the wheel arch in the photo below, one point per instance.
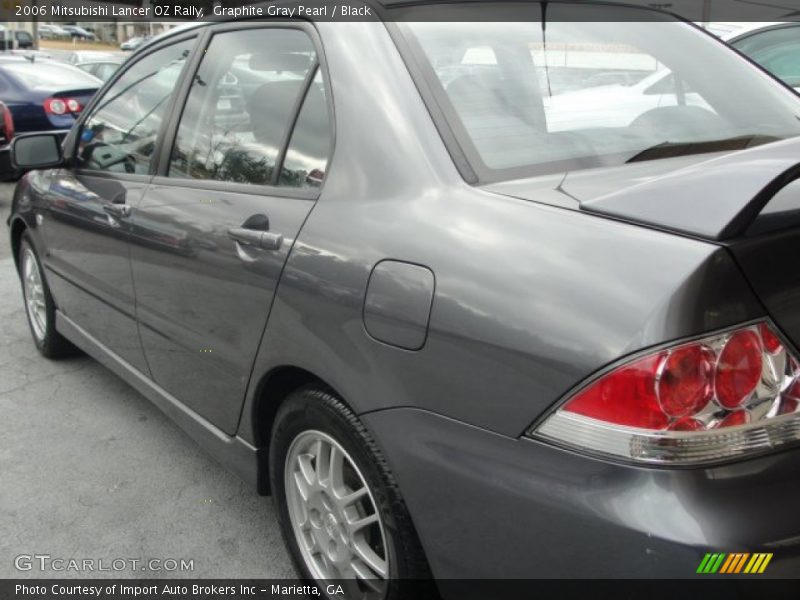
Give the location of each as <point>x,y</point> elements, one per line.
<point>18,227</point>
<point>271,391</point>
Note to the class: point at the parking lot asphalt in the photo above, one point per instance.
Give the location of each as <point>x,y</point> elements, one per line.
<point>90,469</point>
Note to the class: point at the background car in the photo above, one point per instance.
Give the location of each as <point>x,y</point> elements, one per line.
<point>43,94</point>
<point>76,32</point>
<point>85,56</point>
<point>134,43</point>
<point>32,54</point>
<point>617,104</point>
<point>24,39</point>
<point>102,69</point>
<point>52,32</point>
<point>774,46</point>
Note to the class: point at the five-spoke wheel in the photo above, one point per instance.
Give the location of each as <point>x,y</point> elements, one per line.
<point>341,511</point>
<point>33,288</point>
<point>333,512</point>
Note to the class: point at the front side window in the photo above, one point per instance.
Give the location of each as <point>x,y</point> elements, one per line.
<point>581,91</point>
<point>243,106</point>
<point>120,134</point>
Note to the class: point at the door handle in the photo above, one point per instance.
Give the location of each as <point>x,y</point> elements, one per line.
<point>120,211</point>
<point>265,240</point>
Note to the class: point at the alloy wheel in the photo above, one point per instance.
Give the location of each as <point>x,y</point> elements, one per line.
<point>334,516</point>
<point>33,288</point>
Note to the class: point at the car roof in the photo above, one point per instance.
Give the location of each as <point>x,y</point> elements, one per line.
<point>95,54</point>
<point>5,59</point>
<point>17,58</point>
<point>99,61</point>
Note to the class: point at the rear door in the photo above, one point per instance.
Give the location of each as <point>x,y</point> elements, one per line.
<point>87,227</point>
<point>251,145</point>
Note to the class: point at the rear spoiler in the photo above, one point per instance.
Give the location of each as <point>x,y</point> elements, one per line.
<point>717,199</point>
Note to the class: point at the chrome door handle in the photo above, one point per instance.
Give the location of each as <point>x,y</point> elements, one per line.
<point>120,211</point>
<point>271,241</point>
<point>265,240</point>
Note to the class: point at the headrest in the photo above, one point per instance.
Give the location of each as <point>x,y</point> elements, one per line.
<point>281,61</point>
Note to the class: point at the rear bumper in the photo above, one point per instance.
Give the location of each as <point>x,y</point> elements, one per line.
<point>489,506</point>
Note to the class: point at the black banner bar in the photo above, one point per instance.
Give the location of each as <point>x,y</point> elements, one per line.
<point>702,587</point>
<point>144,11</point>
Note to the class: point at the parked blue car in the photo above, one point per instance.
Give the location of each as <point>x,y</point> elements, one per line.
<point>44,95</point>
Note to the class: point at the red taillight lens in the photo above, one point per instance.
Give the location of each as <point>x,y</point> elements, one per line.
<point>655,391</point>
<point>788,405</point>
<point>737,417</point>
<point>61,106</point>
<point>698,401</point>
<point>739,368</point>
<point>627,396</point>
<point>8,122</point>
<point>55,106</point>
<point>771,342</point>
<point>686,382</point>
<point>687,424</point>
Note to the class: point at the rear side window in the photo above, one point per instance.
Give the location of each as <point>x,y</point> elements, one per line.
<point>120,134</point>
<point>307,154</point>
<point>255,90</point>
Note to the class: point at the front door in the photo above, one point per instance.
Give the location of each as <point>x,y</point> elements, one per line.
<point>215,228</point>
<point>87,224</point>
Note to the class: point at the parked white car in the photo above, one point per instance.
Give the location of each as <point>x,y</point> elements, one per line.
<point>616,105</point>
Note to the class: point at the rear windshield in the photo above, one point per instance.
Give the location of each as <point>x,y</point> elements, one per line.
<point>527,98</point>
<point>53,77</point>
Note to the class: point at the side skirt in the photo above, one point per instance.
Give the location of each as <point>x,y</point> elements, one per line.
<point>233,452</point>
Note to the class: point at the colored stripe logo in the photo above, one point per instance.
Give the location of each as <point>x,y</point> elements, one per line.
<point>734,562</point>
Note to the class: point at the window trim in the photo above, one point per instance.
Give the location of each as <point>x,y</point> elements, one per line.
<point>435,97</point>
<point>161,175</point>
<point>438,111</point>
<point>73,139</point>
<point>287,136</point>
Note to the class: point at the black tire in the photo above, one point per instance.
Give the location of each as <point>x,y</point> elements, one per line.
<point>317,409</point>
<point>51,344</point>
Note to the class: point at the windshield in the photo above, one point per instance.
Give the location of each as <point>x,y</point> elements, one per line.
<point>42,75</point>
<point>523,99</point>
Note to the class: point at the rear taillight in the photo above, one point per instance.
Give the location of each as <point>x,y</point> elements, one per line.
<point>62,106</point>
<point>8,123</point>
<point>726,395</point>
